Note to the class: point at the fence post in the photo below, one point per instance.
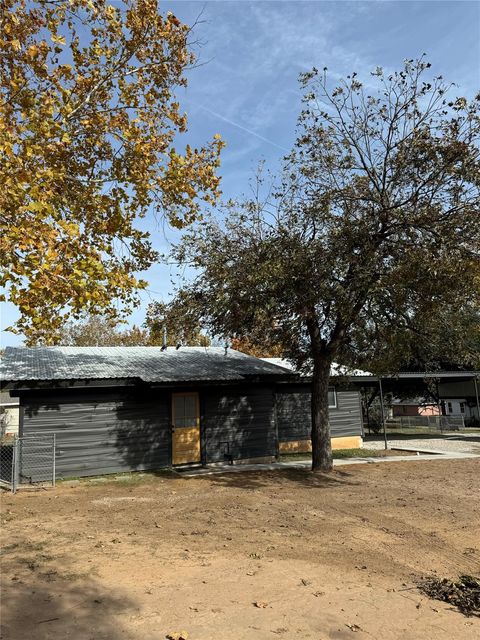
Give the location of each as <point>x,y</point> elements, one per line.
<point>54,454</point>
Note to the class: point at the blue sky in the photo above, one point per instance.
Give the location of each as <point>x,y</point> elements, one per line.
<point>252,52</point>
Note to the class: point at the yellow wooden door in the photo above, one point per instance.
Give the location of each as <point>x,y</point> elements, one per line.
<point>185,428</point>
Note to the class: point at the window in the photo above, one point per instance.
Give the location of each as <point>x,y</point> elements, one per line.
<point>332,398</point>
<point>450,408</point>
<point>462,407</point>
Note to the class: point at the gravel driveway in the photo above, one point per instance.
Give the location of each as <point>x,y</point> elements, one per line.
<point>458,442</point>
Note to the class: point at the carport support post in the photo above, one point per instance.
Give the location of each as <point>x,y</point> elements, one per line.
<point>439,405</point>
<point>475,381</point>
<point>382,413</point>
<point>54,447</point>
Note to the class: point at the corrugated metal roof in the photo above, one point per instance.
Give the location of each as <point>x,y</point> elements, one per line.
<point>150,364</point>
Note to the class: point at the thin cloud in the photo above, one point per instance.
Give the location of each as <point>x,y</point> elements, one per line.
<point>239,126</point>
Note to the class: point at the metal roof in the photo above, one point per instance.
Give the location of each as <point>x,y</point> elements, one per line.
<point>359,376</point>
<point>150,364</point>
<point>419,375</point>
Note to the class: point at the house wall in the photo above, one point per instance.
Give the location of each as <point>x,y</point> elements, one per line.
<point>238,423</point>
<point>9,414</point>
<point>295,424</point>
<point>10,419</point>
<point>102,432</point>
<point>453,407</point>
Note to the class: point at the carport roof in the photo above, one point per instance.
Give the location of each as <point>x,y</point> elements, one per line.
<point>418,375</point>
<point>150,364</point>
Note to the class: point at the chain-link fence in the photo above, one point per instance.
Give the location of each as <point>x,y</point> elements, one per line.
<point>441,423</point>
<point>27,460</point>
<point>7,452</point>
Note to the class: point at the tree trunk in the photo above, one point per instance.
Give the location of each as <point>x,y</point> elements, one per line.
<point>321,440</point>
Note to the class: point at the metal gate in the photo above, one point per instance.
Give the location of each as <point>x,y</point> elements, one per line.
<point>27,461</point>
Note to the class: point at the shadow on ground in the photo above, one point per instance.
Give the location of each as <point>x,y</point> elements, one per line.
<point>41,600</point>
<point>259,479</point>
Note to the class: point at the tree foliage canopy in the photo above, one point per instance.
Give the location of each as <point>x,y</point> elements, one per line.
<point>96,331</point>
<point>88,120</point>
<point>372,228</point>
<point>178,320</point>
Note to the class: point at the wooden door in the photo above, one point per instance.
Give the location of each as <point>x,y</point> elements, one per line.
<point>185,428</point>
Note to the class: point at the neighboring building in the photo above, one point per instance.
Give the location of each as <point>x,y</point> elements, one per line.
<point>458,407</point>
<point>135,408</point>
<point>459,398</point>
<point>414,407</point>
<point>9,414</point>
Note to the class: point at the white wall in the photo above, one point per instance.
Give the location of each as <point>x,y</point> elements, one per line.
<point>10,419</point>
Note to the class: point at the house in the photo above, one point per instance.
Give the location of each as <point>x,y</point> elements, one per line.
<point>460,398</point>
<point>413,407</point>
<point>116,409</point>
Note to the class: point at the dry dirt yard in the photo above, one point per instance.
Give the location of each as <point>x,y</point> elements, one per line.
<point>246,555</point>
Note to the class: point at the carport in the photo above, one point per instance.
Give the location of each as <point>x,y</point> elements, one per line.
<point>431,382</point>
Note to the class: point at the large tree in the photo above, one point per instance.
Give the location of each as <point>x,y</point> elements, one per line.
<point>88,120</point>
<point>97,331</point>
<point>434,337</point>
<point>372,228</point>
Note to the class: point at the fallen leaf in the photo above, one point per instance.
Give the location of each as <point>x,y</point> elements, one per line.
<point>354,627</point>
<point>177,635</point>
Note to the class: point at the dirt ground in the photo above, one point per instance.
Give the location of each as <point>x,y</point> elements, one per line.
<point>257,555</point>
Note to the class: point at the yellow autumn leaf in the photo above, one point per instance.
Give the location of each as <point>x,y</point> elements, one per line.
<point>58,39</point>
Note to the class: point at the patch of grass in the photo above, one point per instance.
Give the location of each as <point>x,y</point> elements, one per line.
<point>129,477</point>
<point>423,431</point>
<point>357,453</point>
<point>10,547</point>
<point>23,546</point>
<point>337,454</point>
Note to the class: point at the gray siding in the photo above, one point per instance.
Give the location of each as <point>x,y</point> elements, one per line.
<point>238,422</point>
<point>100,433</point>
<point>294,414</point>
